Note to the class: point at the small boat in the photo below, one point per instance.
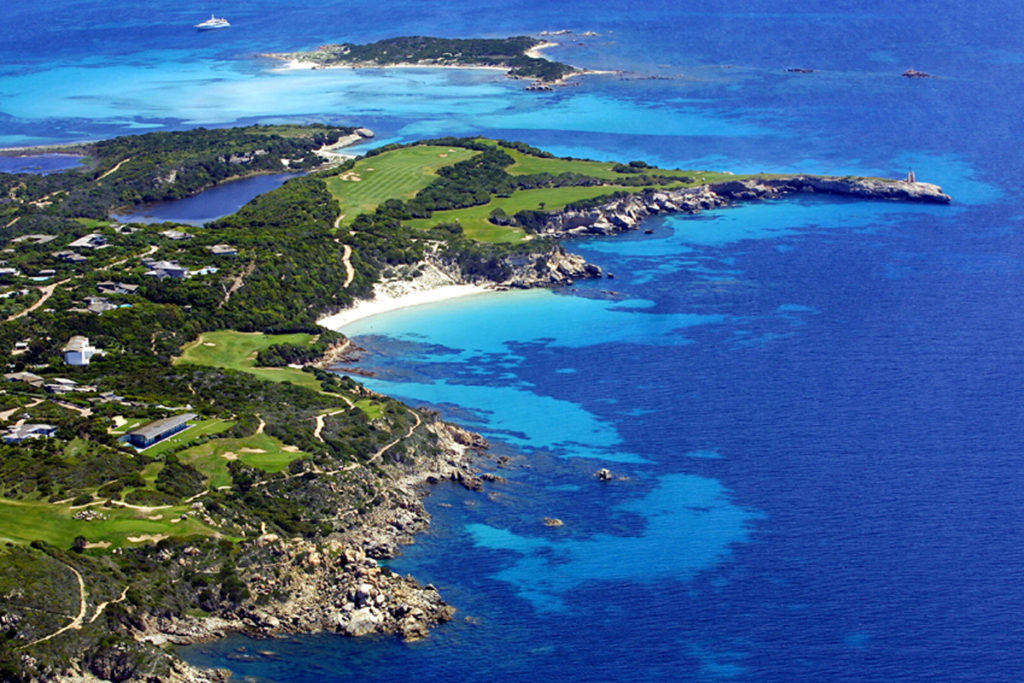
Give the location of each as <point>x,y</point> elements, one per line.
<point>212,23</point>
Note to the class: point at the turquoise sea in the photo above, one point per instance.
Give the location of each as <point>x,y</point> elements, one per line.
<point>815,404</point>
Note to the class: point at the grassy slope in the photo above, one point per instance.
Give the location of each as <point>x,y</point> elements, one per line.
<point>237,351</point>
<point>399,174</point>
<point>26,521</point>
<point>261,451</point>
<point>474,218</point>
<point>200,428</point>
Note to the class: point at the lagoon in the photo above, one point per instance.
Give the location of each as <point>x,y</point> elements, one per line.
<point>216,202</point>
<point>39,163</point>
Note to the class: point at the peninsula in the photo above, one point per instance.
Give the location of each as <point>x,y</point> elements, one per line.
<point>519,56</point>
<point>178,462</point>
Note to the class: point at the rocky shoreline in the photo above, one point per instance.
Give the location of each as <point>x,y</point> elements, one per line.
<point>627,213</point>
<point>334,584</point>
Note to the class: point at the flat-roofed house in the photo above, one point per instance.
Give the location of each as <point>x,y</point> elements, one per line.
<point>149,434</point>
<point>61,385</point>
<point>27,377</point>
<point>70,256</point>
<point>176,235</point>
<point>19,433</point>
<point>97,304</point>
<point>162,269</point>
<point>92,241</point>
<point>116,288</point>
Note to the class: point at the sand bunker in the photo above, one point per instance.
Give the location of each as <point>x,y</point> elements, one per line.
<point>155,538</point>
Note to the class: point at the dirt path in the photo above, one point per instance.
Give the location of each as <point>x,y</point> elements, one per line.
<point>6,415</point>
<point>76,622</point>
<point>84,412</point>
<point>47,291</point>
<point>237,283</point>
<point>103,605</point>
<point>350,272</point>
<point>320,423</point>
<point>117,166</point>
<point>195,497</point>
<point>384,449</point>
<point>149,252</point>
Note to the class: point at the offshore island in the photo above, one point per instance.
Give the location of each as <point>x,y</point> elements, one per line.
<point>519,56</point>
<point>178,461</point>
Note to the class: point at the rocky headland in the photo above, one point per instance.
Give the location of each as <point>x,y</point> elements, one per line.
<point>627,213</point>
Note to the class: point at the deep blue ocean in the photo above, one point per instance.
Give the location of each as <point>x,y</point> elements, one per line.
<point>815,403</point>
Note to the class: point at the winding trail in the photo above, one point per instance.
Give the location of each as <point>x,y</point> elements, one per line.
<point>76,622</point>
<point>384,449</point>
<point>116,166</point>
<point>103,605</point>
<point>320,423</point>
<point>84,412</point>
<point>346,258</point>
<point>6,415</point>
<point>149,252</point>
<point>47,291</point>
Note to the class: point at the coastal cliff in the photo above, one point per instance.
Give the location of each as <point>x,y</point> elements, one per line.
<point>627,213</point>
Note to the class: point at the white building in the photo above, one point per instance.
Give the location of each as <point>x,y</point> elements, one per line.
<point>78,351</point>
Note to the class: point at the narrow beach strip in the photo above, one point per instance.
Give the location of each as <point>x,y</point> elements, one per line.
<point>385,303</point>
<point>291,64</point>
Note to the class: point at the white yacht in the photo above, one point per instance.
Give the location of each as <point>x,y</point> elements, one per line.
<point>212,23</point>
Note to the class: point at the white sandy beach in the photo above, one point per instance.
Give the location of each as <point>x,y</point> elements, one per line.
<point>537,51</point>
<point>304,65</point>
<point>385,303</point>
<point>430,286</point>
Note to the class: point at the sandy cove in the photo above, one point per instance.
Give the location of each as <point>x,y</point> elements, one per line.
<point>432,286</point>
<point>385,304</point>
